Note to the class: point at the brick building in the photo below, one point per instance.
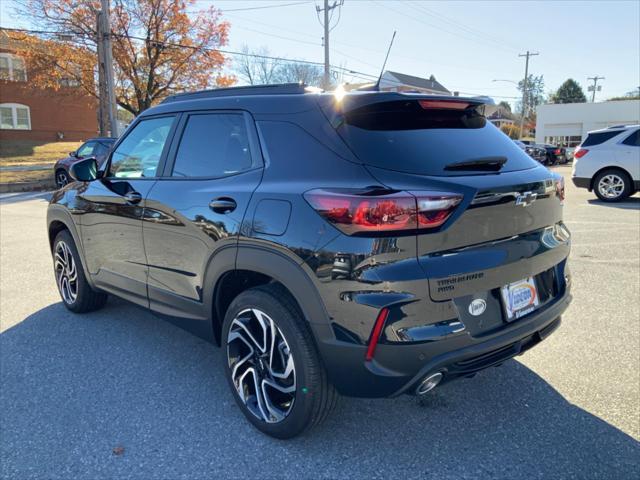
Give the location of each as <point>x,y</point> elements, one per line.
<point>33,114</point>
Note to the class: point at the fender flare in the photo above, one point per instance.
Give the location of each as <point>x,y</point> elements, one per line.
<point>58,213</point>
<point>283,269</point>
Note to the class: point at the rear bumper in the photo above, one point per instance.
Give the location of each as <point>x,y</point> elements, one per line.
<point>398,368</point>
<point>581,182</point>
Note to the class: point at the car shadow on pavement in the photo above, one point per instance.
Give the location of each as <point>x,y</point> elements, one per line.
<point>631,203</point>
<point>76,387</point>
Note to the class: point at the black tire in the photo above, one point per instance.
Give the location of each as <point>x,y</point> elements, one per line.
<point>86,299</point>
<point>314,396</point>
<point>618,178</point>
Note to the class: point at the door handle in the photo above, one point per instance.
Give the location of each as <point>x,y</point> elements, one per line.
<point>132,197</point>
<point>223,205</point>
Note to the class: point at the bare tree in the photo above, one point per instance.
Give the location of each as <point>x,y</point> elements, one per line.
<point>300,73</point>
<point>255,68</point>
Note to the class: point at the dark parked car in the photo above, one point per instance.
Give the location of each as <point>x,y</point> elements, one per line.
<point>555,154</point>
<point>536,152</point>
<point>235,208</point>
<point>94,147</point>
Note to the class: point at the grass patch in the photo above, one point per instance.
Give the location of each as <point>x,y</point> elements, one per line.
<point>32,176</point>
<point>13,153</point>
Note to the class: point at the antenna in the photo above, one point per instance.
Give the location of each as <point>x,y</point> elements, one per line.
<point>377,85</point>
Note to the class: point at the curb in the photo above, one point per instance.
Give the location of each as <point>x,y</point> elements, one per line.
<point>26,186</point>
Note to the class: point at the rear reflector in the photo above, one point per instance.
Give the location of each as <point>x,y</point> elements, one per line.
<point>354,213</point>
<point>376,332</point>
<point>580,152</point>
<point>443,104</point>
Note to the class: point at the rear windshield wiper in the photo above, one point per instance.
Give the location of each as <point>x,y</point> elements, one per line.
<point>485,164</point>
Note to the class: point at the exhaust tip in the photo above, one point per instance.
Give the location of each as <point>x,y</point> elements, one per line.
<point>429,383</point>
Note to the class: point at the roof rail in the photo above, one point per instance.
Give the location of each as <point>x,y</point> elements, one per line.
<point>276,89</point>
<point>616,126</point>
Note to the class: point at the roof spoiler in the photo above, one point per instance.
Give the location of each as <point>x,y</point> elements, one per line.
<point>334,107</point>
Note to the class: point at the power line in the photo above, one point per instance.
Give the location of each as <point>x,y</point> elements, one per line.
<point>353,73</point>
<point>462,26</point>
<point>439,27</point>
<point>263,7</point>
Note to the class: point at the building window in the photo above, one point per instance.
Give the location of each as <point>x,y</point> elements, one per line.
<point>14,116</point>
<point>12,68</point>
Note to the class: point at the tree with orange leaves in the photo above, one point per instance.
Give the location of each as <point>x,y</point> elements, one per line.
<point>159,47</point>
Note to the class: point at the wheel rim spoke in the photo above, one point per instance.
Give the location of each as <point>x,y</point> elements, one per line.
<point>611,186</point>
<point>263,372</point>
<point>66,272</point>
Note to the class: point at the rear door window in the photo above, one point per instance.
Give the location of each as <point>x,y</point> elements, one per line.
<point>633,140</point>
<point>599,138</point>
<point>213,145</point>
<point>404,136</point>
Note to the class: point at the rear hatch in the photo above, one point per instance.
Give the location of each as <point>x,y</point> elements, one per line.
<point>508,225</point>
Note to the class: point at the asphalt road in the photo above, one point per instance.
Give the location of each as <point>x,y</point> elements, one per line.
<point>73,388</point>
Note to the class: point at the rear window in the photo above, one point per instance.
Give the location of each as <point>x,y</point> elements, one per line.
<point>633,139</point>
<point>598,138</point>
<point>403,136</point>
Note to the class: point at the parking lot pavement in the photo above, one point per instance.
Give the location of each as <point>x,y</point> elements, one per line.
<point>73,387</point>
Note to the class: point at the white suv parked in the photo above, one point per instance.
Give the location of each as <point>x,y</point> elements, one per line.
<point>608,162</point>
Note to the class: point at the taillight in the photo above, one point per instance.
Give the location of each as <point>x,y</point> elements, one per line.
<point>557,151</point>
<point>368,213</point>
<point>376,332</point>
<point>580,152</point>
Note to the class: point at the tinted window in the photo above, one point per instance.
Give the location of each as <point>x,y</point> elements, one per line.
<point>633,139</point>
<point>139,153</point>
<point>86,149</point>
<point>101,149</point>
<point>598,138</point>
<point>405,137</point>
<point>213,145</point>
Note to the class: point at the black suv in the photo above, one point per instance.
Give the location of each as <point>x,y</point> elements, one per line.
<point>370,244</point>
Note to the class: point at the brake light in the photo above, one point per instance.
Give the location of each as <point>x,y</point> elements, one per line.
<point>558,151</point>
<point>443,104</point>
<point>376,332</point>
<point>580,152</point>
<point>354,213</point>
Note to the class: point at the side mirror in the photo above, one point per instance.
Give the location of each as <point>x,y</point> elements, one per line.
<point>86,170</point>
<point>73,154</point>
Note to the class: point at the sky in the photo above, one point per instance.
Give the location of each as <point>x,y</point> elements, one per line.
<point>464,44</point>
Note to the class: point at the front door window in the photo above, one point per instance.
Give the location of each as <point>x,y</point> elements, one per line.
<point>138,155</point>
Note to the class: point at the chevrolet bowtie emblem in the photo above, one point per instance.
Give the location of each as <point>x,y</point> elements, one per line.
<point>526,198</point>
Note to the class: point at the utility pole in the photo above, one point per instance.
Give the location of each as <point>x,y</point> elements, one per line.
<point>107,54</point>
<point>103,114</point>
<point>524,88</point>
<point>595,84</point>
<point>326,81</point>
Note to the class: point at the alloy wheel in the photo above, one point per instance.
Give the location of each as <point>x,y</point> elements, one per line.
<point>66,272</point>
<point>611,186</point>
<point>261,365</point>
<point>61,178</point>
